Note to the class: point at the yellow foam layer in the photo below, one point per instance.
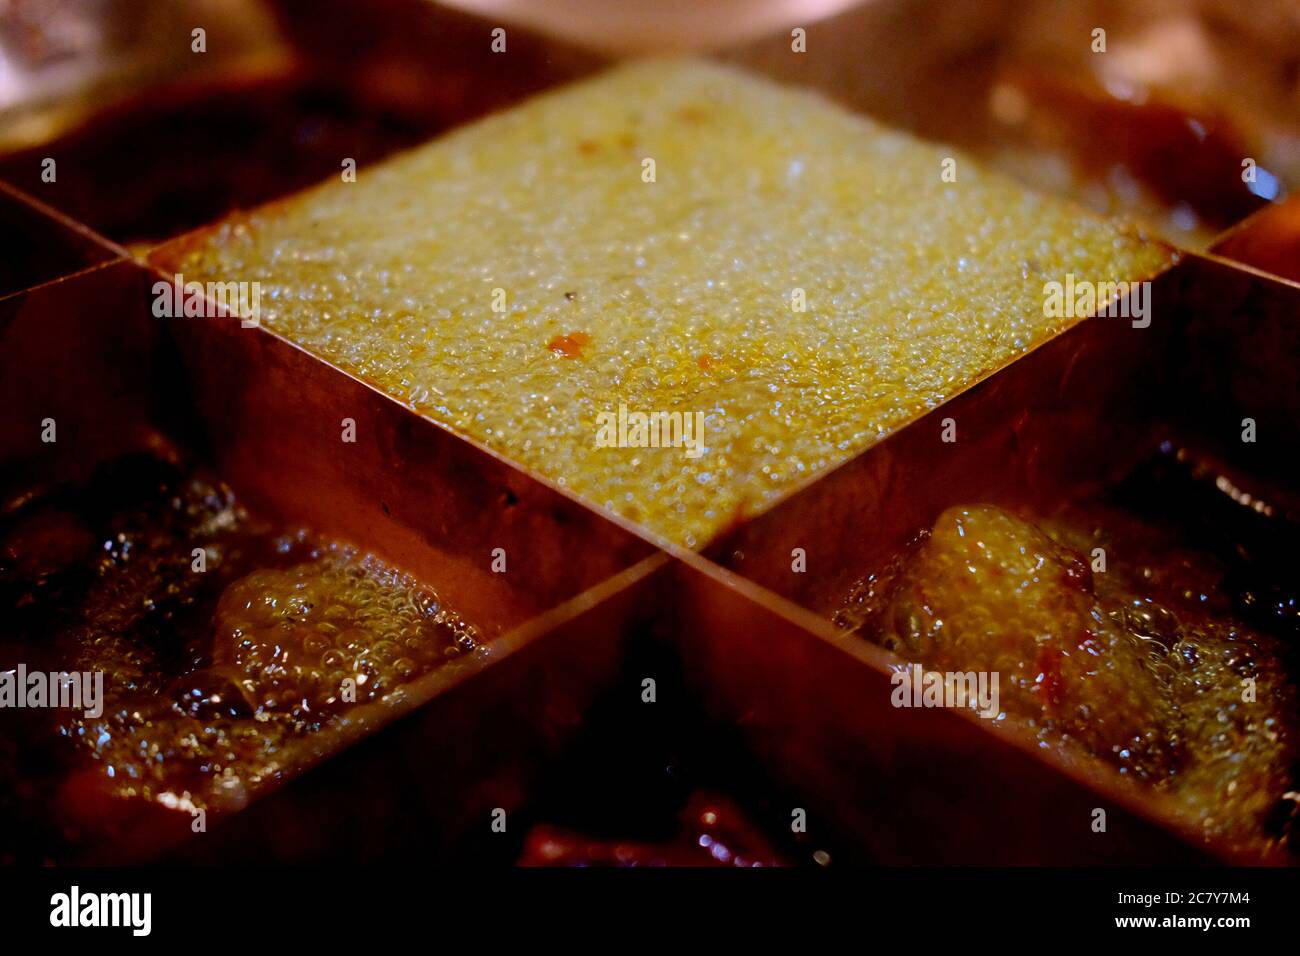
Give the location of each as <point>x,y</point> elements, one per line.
<point>675,295</point>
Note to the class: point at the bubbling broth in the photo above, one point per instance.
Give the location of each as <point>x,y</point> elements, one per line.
<point>225,643</point>
<point>1150,628</point>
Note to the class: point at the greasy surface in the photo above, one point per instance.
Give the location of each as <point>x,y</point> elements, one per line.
<point>674,295</point>
<point>215,682</point>
<point>1143,665</point>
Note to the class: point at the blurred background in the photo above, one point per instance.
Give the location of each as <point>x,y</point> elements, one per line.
<point>1159,125</point>
<point>658,26</point>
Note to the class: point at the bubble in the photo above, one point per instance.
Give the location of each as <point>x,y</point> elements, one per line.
<point>290,617</point>
<point>359,281</point>
<point>1097,666</point>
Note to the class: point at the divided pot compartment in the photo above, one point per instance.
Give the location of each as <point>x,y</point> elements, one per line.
<point>91,376</point>
<point>1066,423</point>
<point>811,705</point>
<point>758,695</point>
